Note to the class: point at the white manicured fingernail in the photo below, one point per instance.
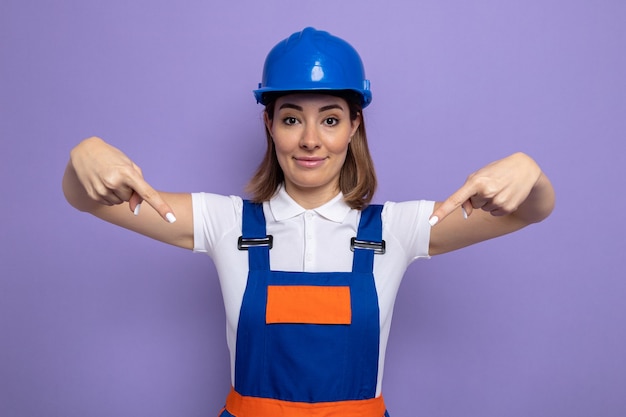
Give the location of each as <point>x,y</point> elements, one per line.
<point>136,211</point>
<point>170,217</point>
<point>464,212</point>
<point>433,220</point>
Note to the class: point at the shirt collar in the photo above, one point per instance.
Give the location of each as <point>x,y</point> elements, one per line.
<point>284,207</point>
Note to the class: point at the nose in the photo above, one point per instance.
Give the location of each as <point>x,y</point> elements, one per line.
<point>310,137</point>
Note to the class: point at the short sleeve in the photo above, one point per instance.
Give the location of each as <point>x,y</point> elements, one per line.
<point>214,216</point>
<point>407,224</point>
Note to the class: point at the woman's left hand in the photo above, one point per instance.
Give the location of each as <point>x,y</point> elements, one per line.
<point>499,188</point>
<point>513,189</point>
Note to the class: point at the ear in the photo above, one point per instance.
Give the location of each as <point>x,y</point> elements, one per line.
<point>355,124</point>
<point>268,122</point>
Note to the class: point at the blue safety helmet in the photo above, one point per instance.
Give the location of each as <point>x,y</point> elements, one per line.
<point>313,60</point>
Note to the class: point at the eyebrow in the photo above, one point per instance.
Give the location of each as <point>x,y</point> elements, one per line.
<point>321,109</point>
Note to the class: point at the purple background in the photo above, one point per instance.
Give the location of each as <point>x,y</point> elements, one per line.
<point>95,321</point>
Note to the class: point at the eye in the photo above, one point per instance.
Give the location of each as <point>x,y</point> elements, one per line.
<point>289,121</point>
<point>331,121</point>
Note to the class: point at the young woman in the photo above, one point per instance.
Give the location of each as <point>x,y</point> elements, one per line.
<point>309,269</point>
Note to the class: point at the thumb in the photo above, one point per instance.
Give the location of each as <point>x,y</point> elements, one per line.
<point>134,203</point>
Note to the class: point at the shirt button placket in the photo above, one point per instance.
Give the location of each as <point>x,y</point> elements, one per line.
<point>309,254</point>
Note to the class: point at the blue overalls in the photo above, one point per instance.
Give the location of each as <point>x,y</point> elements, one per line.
<point>307,343</point>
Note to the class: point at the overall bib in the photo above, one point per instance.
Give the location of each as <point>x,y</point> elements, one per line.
<point>307,343</point>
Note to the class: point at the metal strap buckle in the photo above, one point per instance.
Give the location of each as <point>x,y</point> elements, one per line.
<point>245,243</point>
<point>377,247</point>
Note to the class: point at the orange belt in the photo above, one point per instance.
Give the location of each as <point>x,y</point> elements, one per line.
<point>243,406</point>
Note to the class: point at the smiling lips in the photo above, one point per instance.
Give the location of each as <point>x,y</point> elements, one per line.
<point>309,161</point>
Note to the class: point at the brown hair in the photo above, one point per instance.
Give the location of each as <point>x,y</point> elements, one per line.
<point>357,179</point>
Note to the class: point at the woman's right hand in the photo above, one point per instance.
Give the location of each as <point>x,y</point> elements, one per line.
<point>100,179</point>
<point>109,177</point>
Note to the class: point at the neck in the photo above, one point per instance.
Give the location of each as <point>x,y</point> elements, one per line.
<point>309,198</point>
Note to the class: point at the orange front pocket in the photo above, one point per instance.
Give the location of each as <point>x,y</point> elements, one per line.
<point>308,304</point>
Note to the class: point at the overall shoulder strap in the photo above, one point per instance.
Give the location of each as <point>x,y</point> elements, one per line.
<point>254,237</point>
<point>369,239</point>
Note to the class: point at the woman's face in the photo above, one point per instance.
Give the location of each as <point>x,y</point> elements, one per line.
<point>311,133</point>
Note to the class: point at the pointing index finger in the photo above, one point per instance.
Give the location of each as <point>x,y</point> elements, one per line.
<point>154,199</point>
<point>460,198</point>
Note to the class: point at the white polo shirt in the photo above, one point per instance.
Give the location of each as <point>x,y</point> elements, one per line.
<point>315,240</point>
